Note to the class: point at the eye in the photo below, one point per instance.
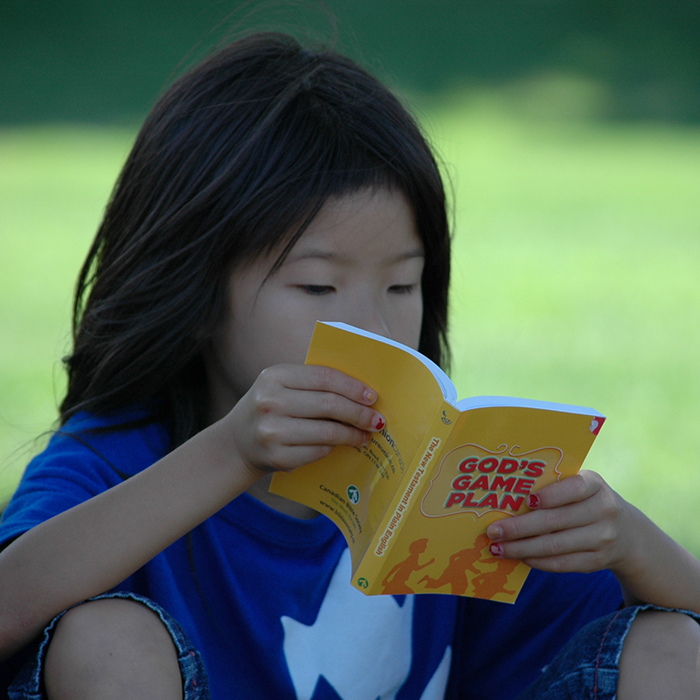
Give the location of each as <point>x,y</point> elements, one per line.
<point>316,289</point>
<point>402,288</point>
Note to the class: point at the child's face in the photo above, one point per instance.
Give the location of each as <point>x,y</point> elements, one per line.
<point>360,261</point>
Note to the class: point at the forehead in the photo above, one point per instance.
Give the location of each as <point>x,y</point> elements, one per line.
<point>376,226</point>
<point>379,220</point>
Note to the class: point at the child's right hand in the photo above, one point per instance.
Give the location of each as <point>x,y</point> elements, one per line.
<point>296,414</point>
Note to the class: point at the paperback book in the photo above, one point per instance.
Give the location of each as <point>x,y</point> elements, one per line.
<point>415,502</point>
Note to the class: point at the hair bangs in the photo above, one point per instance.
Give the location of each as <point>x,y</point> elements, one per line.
<point>233,162</point>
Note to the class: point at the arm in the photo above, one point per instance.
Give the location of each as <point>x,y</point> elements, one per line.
<point>581,524</point>
<point>291,416</point>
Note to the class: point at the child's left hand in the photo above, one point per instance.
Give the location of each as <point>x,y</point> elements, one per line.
<point>577,524</point>
<point>581,524</point>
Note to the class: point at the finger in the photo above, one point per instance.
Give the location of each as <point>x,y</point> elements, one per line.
<point>319,378</point>
<point>292,432</point>
<point>298,390</point>
<point>582,562</point>
<point>323,404</point>
<point>570,490</point>
<point>594,539</point>
<point>542,522</point>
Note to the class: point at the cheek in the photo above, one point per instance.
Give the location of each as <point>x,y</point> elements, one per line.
<point>419,319</point>
<point>409,324</point>
<point>277,337</point>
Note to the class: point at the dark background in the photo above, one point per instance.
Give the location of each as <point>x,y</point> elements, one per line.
<point>105,61</point>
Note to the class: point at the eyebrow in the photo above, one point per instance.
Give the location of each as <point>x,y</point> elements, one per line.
<point>320,254</point>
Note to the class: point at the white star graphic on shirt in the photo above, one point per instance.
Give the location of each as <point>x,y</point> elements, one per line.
<point>360,644</point>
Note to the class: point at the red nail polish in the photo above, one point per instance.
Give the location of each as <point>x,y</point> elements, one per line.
<point>533,501</point>
<point>496,549</point>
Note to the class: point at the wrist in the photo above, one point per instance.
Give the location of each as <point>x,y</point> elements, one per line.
<point>226,441</point>
<point>630,560</point>
<point>655,568</point>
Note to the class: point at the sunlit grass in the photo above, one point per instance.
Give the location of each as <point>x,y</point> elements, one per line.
<point>577,253</point>
<point>54,184</point>
<point>577,280</point>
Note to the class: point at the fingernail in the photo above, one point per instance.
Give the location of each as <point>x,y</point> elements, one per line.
<point>533,501</point>
<point>496,549</point>
<point>494,532</point>
<point>378,423</point>
<point>369,396</point>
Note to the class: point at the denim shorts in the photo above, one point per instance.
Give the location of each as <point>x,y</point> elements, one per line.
<point>28,685</point>
<point>587,667</point>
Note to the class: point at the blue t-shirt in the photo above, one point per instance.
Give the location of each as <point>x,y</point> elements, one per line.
<point>267,598</point>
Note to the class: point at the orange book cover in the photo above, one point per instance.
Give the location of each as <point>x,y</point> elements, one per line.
<point>414,503</point>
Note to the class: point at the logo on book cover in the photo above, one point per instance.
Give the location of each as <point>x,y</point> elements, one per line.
<point>353,494</point>
<point>473,479</point>
<point>597,424</point>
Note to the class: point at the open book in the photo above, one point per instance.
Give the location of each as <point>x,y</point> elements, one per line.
<point>415,502</point>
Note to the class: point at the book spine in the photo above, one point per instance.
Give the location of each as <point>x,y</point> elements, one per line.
<point>375,562</point>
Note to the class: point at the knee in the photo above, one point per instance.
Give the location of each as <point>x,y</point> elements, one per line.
<point>661,654</point>
<point>105,643</point>
<point>667,633</point>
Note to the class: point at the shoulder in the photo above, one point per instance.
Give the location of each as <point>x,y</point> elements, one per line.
<point>126,442</point>
<point>86,456</point>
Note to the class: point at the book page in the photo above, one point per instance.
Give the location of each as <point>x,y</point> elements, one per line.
<point>484,401</point>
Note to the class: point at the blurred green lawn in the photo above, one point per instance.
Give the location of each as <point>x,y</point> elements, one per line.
<point>576,279</point>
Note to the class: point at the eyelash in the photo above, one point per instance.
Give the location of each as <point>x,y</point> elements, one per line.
<point>402,288</point>
<point>321,289</point>
<point>317,290</point>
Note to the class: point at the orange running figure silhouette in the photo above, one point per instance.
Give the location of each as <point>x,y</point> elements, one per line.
<point>455,573</point>
<point>395,581</point>
<point>487,584</point>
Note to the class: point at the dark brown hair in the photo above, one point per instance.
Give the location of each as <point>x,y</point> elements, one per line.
<point>234,161</point>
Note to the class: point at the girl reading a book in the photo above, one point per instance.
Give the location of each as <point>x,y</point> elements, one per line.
<point>272,186</point>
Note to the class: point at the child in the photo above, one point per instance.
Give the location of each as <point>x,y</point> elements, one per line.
<point>270,187</point>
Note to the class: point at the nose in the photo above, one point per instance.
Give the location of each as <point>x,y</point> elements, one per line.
<point>366,313</point>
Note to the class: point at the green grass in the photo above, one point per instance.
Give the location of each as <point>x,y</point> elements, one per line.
<point>54,183</point>
<point>577,280</point>
<point>577,251</point>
